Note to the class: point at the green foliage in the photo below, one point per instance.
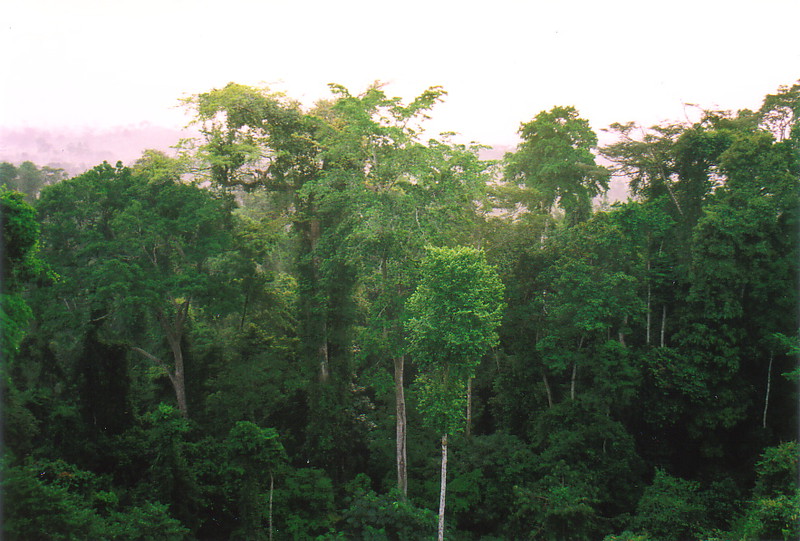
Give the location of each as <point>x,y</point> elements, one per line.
<point>554,164</point>
<point>376,517</point>
<point>628,536</point>
<point>455,311</point>
<point>561,509</point>
<point>776,470</point>
<point>20,240</point>
<point>15,315</point>
<point>28,178</point>
<point>774,510</point>
<point>304,504</point>
<point>20,263</point>
<point>280,260</point>
<point>671,509</point>
<point>780,111</point>
<point>442,400</point>
<point>482,483</point>
<point>252,137</point>
<point>587,469</point>
<point>258,449</point>
<point>55,500</point>
<point>134,253</point>
<point>254,456</point>
<point>773,517</point>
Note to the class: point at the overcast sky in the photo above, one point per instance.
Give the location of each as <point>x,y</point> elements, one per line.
<point>78,63</point>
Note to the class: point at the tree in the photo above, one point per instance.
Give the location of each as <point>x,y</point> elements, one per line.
<point>587,294</point>
<point>28,178</point>
<point>773,511</point>
<point>8,173</point>
<point>20,263</point>
<point>255,455</point>
<point>51,499</point>
<point>780,112</point>
<point>455,311</point>
<point>671,509</point>
<point>393,194</point>
<point>254,138</point>
<point>128,245</point>
<point>554,165</point>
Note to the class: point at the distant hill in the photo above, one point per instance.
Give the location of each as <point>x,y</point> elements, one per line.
<point>76,150</point>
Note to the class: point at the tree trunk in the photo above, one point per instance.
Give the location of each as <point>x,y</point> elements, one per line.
<point>400,406</point>
<point>574,377</point>
<point>174,334</point>
<point>271,491</point>
<point>244,308</point>
<point>322,352</point>
<point>621,334</point>
<point>649,315</point>
<point>766,394</point>
<point>179,382</point>
<point>469,407</point>
<point>316,301</point>
<point>443,488</point>
<point>547,389</point>
<point>164,366</point>
<point>663,324</point>
<point>572,380</point>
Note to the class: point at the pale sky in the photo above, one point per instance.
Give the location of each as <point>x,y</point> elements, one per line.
<point>92,63</point>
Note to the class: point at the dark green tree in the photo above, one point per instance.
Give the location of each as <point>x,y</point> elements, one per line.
<point>127,246</point>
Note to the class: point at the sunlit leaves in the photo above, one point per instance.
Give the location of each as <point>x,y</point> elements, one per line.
<point>455,312</point>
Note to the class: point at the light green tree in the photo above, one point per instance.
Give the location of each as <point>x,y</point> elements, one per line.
<point>455,312</point>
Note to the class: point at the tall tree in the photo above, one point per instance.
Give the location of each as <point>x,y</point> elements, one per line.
<point>455,311</point>
<point>395,194</point>
<point>554,165</point>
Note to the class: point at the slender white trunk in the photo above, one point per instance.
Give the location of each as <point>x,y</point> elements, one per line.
<point>766,394</point>
<point>443,488</point>
<point>663,324</point>
<point>271,490</point>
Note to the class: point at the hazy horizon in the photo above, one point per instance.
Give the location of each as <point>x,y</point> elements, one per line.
<point>91,80</point>
<point>102,65</point>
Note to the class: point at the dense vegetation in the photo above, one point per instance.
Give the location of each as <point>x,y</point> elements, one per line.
<point>311,317</point>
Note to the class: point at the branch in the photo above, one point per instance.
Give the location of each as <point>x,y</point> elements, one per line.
<point>156,360</point>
